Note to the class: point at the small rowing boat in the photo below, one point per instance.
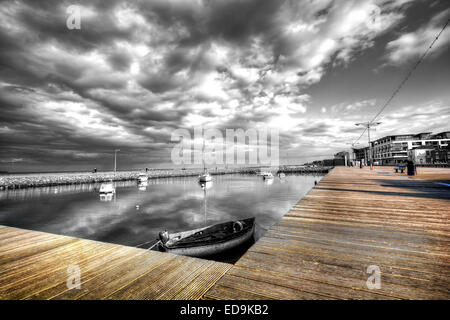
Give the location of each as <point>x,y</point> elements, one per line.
<point>209,240</point>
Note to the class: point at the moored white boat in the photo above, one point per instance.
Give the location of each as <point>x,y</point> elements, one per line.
<point>142,177</point>
<point>206,185</point>
<point>142,185</point>
<point>106,197</point>
<point>107,187</point>
<point>267,175</point>
<point>205,177</point>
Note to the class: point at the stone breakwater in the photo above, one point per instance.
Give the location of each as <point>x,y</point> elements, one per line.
<point>304,170</point>
<point>18,181</point>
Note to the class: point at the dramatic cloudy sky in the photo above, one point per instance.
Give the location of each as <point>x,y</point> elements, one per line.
<point>138,70</point>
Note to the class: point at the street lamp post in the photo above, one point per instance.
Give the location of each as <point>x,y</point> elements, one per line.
<point>368,125</point>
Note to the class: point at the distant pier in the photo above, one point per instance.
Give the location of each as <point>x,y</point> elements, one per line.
<point>358,234</point>
<point>19,181</point>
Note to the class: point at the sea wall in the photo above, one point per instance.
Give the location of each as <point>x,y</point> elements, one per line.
<point>17,181</point>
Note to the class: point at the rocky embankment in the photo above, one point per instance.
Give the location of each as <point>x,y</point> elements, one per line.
<point>18,181</point>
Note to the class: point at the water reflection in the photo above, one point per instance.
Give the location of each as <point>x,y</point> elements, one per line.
<point>106,196</point>
<point>206,185</point>
<point>142,185</point>
<point>136,215</point>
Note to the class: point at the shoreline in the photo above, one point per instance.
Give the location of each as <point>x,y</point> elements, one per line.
<point>22,181</point>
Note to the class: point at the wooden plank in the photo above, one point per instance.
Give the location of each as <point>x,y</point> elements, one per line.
<point>402,251</point>
<point>33,248</point>
<point>35,282</point>
<point>23,240</point>
<point>40,259</point>
<point>188,279</point>
<point>201,284</point>
<point>352,219</point>
<point>33,265</point>
<point>151,285</point>
<point>362,231</point>
<point>378,254</point>
<point>221,292</point>
<point>7,233</point>
<point>59,290</point>
<point>323,287</point>
<point>268,290</point>
<point>120,276</point>
<point>314,258</point>
<point>391,240</point>
<point>342,277</point>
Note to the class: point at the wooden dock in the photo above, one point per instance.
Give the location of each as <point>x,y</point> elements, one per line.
<point>34,265</point>
<point>321,249</point>
<point>352,219</point>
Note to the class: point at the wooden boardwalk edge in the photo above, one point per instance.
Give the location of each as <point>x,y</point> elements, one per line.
<point>36,265</point>
<point>354,219</point>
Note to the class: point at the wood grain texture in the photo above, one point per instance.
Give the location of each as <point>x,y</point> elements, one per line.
<point>352,219</point>
<point>33,265</point>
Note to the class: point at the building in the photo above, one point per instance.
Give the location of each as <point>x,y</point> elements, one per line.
<point>342,158</point>
<point>421,155</point>
<point>441,155</point>
<point>328,162</point>
<point>361,154</point>
<point>391,150</point>
<point>430,155</point>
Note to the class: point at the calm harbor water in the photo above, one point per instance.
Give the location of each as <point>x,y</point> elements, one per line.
<point>136,214</point>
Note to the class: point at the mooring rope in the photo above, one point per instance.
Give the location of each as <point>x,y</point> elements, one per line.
<point>147,242</point>
<point>156,243</point>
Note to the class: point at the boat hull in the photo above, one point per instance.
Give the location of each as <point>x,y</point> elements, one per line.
<point>107,188</point>
<point>205,178</point>
<point>142,178</point>
<point>208,249</point>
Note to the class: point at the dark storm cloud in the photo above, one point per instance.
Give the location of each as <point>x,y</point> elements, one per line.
<point>238,20</point>
<point>138,70</point>
<point>45,18</point>
<point>318,129</point>
<point>325,11</point>
<point>120,60</point>
<point>158,83</point>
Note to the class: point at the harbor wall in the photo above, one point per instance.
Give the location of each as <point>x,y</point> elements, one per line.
<point>19,181</point>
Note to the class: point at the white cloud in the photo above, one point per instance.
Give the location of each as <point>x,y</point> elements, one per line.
<point>349,26</point>
<point>413,44</point>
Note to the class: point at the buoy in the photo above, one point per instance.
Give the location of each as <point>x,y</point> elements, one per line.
<point>137,207</point>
